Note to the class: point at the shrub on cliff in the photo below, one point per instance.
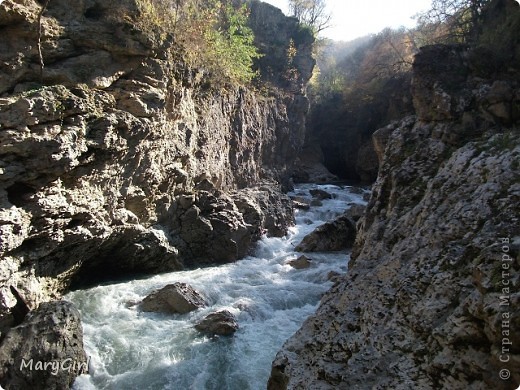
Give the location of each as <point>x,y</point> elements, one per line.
<point>213,33</point>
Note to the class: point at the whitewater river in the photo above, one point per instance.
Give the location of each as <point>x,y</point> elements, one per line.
<point>130,349</point>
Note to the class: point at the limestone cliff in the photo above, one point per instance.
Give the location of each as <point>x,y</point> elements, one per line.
<point>118,158</point>
<point>431,298</point>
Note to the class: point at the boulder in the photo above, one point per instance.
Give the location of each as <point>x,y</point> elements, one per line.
<point>221,323</point>
<point>301,262</point>
<point>51,334</point>
<point>173,298</point>
<point>331,236</point>
<point>320,194</point>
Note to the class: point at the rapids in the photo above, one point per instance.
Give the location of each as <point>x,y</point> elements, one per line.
<point>130,349</point>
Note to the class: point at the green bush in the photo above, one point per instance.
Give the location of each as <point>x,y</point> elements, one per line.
<point>213,33</point>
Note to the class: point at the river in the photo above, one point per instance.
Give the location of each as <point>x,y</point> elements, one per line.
<point>130,349</point>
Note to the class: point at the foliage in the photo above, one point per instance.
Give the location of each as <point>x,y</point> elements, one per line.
<point>213,33</point>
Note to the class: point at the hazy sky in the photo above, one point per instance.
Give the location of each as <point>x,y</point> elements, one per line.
<point>355,18</point>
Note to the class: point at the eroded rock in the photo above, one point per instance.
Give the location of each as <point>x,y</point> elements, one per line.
<point>50,334</point>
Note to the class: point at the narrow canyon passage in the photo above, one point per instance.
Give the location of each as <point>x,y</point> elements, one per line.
<point>132,349</point>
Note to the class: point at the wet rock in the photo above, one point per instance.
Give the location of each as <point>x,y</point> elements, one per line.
<point>50,334</point>
<point>221,323</point>
<point>301,262</point>
<point>320,194</point>
<point>173,298</point>
<point>331,236</point>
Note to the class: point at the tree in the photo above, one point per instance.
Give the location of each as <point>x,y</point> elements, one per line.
<point>453,20</point>
<point>312,13</point>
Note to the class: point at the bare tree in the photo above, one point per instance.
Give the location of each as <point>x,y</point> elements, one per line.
<point>312,13</point>
<point>454,20</point>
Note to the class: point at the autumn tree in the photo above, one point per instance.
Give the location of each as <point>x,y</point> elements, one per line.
<point>452,21</point>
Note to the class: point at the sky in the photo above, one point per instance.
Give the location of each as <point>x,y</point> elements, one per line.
<point>356,18</point>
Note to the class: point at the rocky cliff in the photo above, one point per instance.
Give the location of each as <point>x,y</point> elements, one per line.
<point>118,158</point>
<point>431,297</point>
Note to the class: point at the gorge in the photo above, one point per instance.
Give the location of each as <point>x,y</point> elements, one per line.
<point>120,159</point>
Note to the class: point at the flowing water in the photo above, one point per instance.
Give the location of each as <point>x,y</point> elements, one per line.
<point>130,349</point>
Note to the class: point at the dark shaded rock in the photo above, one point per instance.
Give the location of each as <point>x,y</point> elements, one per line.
<point>221,323</point>
<point>309,166</point>
<point>173,298</point>
<point>20,309</point>
<point>301,262</point>
<point>367,163</point>
<point>331,236</point>
<point>51,333</point>
<point>320,194</point>
<point>297,204</point>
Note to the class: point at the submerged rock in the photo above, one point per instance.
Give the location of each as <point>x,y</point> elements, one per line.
<point>221,323</point>
<point>51,334</point>
<point>331,236</point>
<point>173,298</point>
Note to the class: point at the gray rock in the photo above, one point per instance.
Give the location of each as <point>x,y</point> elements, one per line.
<point>221,323</point>
<point>331,236</point>
<point>173,298</point>
<point>51,334</point>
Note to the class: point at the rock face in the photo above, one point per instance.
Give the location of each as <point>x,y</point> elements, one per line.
<point>51,334</point>
<point>429,300</point>
<point>331,236</point>
<point>117,158</point>
<point>221,323</point>
<point>174,298</point>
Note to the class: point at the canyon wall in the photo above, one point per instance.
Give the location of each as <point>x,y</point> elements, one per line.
<point>431,296</point>
<point>117,158</point>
